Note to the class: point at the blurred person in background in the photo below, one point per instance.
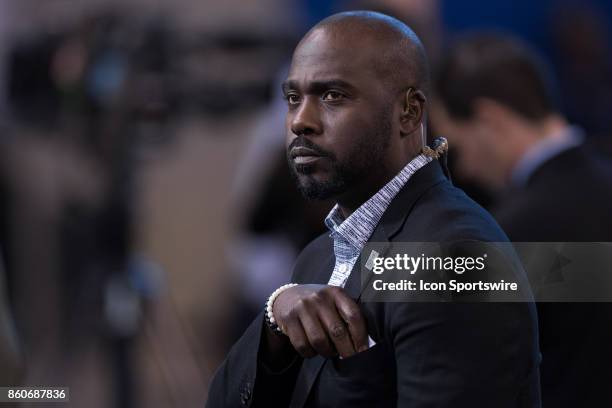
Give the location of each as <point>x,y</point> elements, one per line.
<point>497,103</point>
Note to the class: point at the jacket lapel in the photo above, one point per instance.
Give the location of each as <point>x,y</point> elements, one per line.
<point>393,221</point>
<point>354,284</point>
<point>305,379</point>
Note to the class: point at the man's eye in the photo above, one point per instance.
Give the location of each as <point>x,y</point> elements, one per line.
<point>293,99</point>
<point>331,96</point>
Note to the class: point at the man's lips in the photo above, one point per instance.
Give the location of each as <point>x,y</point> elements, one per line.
<point>304,155</point>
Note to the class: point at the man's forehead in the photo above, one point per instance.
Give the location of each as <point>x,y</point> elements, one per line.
<point>322,67</point>
<point>322,55</point>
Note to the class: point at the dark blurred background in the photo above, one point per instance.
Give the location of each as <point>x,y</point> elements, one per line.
<point>146,211</point>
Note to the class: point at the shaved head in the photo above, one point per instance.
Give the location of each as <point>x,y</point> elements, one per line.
<point>400,60</point>
<point>356,96</point>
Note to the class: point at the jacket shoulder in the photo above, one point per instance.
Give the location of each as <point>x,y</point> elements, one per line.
<point>445,213</point>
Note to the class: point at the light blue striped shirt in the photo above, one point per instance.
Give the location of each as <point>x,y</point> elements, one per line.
<point>351,234</point>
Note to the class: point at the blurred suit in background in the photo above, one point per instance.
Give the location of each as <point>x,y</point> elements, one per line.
<point>496,104</point>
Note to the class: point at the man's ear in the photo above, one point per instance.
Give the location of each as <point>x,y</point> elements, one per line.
<point>412,111</point>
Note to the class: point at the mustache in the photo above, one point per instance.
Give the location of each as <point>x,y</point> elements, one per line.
<point>301,141</point>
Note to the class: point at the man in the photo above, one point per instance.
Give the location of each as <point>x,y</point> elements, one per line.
<point>496,104</point>
<point>356,94</point>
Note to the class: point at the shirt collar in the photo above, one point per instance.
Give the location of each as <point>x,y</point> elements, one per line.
<point>359,226</point>
<point>543,151</point>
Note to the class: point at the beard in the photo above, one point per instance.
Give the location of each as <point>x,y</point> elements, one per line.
<point>365,157</point>
<point>340,180</point>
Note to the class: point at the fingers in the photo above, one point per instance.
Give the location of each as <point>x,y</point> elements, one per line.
<point>352,316</point>
<point>316,334</point>
<point>298,338</point>
<point>337,331</point>
<point>321,319</point>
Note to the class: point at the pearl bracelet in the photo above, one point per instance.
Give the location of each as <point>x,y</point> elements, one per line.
<point>269,315</point>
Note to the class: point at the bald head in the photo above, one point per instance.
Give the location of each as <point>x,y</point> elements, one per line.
<point>356,99</point>
<point>395,52</point>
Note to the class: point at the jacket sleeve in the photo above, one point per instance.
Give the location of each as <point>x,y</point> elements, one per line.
<point>234,381</point>
<point>243,380</point>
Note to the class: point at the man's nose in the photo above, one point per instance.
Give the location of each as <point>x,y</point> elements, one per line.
<point>306,119</point>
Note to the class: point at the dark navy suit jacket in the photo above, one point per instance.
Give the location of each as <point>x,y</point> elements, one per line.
<point>428,354</point>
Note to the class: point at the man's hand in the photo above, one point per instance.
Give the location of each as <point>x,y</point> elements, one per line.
<point>321,319</point>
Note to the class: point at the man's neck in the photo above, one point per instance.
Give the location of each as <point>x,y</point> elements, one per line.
<point>351,201</point>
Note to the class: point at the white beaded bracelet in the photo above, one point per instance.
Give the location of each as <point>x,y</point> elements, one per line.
<point>269,314</point>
